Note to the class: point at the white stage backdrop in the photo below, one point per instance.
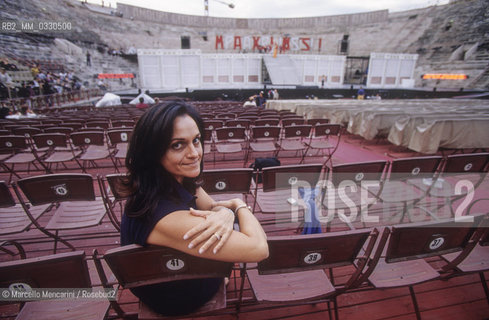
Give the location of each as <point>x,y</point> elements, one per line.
<point>161,69</point>
<point>391,70</point>
<point>180,69</point>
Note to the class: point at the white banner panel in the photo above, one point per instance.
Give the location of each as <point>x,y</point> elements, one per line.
<point>150,67</point>
<point>170,71</point>
<point>190,66</point>
<point>391,70</point>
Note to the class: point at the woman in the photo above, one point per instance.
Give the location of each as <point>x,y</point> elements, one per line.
<point>167,207</point>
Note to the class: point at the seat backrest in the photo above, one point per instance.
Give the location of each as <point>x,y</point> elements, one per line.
<point>213,124</point>
<point>268,116</point>
<point>466,163</point>
<point>12,126</point>
<point>358,172</point>
<point>425,239</point>
<point>43,126</point>
<point>414,168</point>
<point>12,143</point>
<point>317,121</point>
<point>204,115</point>
<point>266,122</point>
<point>268,112</point>
<point>50,140</point>
<point>227,180</point>
<point>92,129</point>
<point>327,129</point>
<point>122,123</point>
<point>251,118</point>
<point>64,130</point>
<point>6,199</point>
<point>27,122</point>
<point>63,270</point>
<point>285,177</point>
<point>297,131</point>
<point>230,133</point>
<point>73,125</point>
<point>52,188</point>
<point>266,132</point>
<point>245,123</point>
<point>52,121</point>
<point>247,113</point>
<point>314,251</point>
<point>119,135</point>
<point>26,131</point>
<point>227,115</point>
<point>134,265</point>
<point>97,124</point>
<point>292,121</point>
<point>88,138</point>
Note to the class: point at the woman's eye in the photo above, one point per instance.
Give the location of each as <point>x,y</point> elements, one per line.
<point>196,140</point>
<point>176,146</point>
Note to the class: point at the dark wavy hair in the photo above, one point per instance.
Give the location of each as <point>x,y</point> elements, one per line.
<point>147,179</point>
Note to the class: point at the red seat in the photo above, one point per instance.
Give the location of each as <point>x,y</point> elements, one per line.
<point>266,122</point>
<point>93,147</point>
<point>14,150</point>
<point>295,268</point>
<point>403,263</point>
<point>475,259</point>
<point>231,141</point>
<point>135,266</point>
<point>278,198</point>
<point>13,218</point>
<point>245,123</point>
<point>71,195</point>
<point>295,138</point>
<point>460,176</point>
<point>405,174</point>
<point>65,130</point>
<point>118,143</point>
<point>263,141</point>
<point>354,189</point>
<point>61,271</point>
<point>293,121</point>
<point>225,184</point>
<point>57,148</point>
<point>325,140</point>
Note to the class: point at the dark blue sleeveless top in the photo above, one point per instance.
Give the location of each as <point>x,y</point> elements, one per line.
<point>175,297</point>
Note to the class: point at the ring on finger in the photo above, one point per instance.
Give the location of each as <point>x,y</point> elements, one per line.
<point>217,236</point>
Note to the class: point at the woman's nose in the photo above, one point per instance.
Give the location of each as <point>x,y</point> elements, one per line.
<point>193,151</point>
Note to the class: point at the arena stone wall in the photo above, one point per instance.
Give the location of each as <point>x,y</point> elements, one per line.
<point>144,14</point>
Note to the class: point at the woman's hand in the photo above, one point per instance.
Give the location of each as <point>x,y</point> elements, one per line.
<point>217,227</point>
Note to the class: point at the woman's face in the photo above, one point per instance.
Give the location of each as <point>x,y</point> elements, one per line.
<point>182,159</point>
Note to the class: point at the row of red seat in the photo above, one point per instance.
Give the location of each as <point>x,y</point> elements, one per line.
<point>378,257</point>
